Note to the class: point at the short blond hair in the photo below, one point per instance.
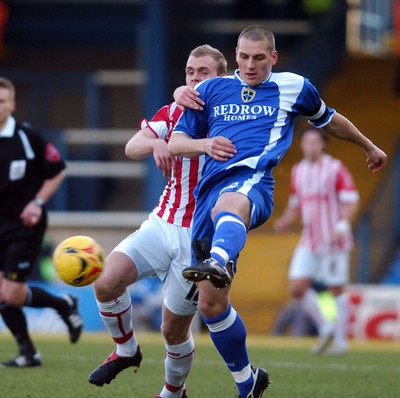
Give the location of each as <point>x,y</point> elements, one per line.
<point>7,84</point>
<point>215,54</point>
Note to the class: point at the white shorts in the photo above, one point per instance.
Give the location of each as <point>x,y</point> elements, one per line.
<point>162,249</point>
<point>330,268</point>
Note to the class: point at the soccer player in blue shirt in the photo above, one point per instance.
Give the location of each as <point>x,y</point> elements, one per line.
<point>245,128</point>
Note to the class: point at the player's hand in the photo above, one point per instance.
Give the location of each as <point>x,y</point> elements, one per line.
<point>31,214</point>
<point>188,97</point>
<point>376,159</point>
<point>220,148</point>
<point>164,161</point>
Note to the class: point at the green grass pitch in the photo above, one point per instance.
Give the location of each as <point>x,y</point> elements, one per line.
<point>371,369</point>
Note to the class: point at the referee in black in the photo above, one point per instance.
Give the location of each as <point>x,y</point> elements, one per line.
<point>31,171</point>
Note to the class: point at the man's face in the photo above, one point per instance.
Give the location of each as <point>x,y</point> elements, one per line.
<point>7,105</point>
<point>312,145</point>
<point>255,60</point>
<point>199,69</point>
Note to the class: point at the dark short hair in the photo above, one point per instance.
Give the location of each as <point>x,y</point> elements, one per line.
<point>258,33</point>
<point>215,54</point>
<point>307,130</point>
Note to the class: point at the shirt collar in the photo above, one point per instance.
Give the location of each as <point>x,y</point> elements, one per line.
<point>8,129</point>
<point>243,83</point>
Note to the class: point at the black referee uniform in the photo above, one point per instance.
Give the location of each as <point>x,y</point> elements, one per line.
<point>26,161</point>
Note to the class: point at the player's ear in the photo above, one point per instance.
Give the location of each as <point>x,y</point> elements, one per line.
<point>274,57</point>
<point>13,106</point>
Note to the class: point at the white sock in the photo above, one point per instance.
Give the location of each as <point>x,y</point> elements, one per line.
<point>178,361</point>
<point>311,306</point>
<point>342,320</point>
<point>117,316</point>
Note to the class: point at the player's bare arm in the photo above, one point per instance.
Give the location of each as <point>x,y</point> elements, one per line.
<point>188,97</point>
<point>340,127</point>
<point>219,148</point>
<point>282,224</point>
<point>144,143</point>
<point>32,212</point>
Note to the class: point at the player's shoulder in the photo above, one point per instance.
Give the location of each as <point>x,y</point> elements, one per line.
<point>329,159</point>
<point>29,130</point>
<point>168,112</point>
<point>214,82</point>
<point>333,164</point>
<point>286,77</point>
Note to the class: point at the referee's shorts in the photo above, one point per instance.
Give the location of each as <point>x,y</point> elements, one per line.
<point>20,247</point>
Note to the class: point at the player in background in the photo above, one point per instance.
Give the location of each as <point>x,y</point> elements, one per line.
<point>245,129</point>
<point>161,247</point>
<point>31,171</point>
<point>323,194</point>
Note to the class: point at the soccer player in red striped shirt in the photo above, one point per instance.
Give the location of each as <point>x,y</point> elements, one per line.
<point>161,247</point>
<point>323,193</point>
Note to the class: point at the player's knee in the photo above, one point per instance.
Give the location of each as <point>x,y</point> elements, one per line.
<point>105,290</point>
<point>14,297</point>
<point>297,291</point>
<point>298,287</point>
<point>211,309</point>
<point>173,333</point>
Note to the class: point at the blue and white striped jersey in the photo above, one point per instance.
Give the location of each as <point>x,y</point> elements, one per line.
<point>258,120</point>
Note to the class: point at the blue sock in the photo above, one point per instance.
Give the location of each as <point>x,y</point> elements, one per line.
<point>228,334</point>
<point>229,237</point>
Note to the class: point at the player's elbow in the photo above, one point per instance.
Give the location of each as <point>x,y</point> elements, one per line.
<point>133,151</point>
<point>130,151</point>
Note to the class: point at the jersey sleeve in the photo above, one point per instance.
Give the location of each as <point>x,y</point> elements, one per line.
<point>159,124</point>
<point>345,186</point>
<point>313,107</point>
<point>47,154</point>
<point>194,123</point>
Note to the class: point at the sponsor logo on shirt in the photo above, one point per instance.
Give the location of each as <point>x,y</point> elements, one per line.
<point>233,112</point>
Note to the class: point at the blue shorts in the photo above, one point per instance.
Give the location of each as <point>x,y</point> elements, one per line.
<point>258,186</point>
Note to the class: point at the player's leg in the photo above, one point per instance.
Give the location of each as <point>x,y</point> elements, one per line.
<point>228,334</point>
<point>179,353</point>
<point>233,213</point>
<point>21,256</point>
<point>230,217</point>
<point>178,312</point>
<point>18,294</point>
<point>337,276</point>
<point>303,268</point>
<point>115,309</point>
<point>15,320</point>
<point>142,254</point>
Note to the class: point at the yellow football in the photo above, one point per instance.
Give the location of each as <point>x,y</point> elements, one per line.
<point>79,260</point>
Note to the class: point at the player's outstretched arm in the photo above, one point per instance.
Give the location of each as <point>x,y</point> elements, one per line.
<point>340,127</point>
<point>219,148</point>
<point>144,143</point>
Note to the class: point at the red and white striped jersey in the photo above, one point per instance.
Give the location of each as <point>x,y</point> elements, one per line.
<point>176,204</point>
<point>317,190</point>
